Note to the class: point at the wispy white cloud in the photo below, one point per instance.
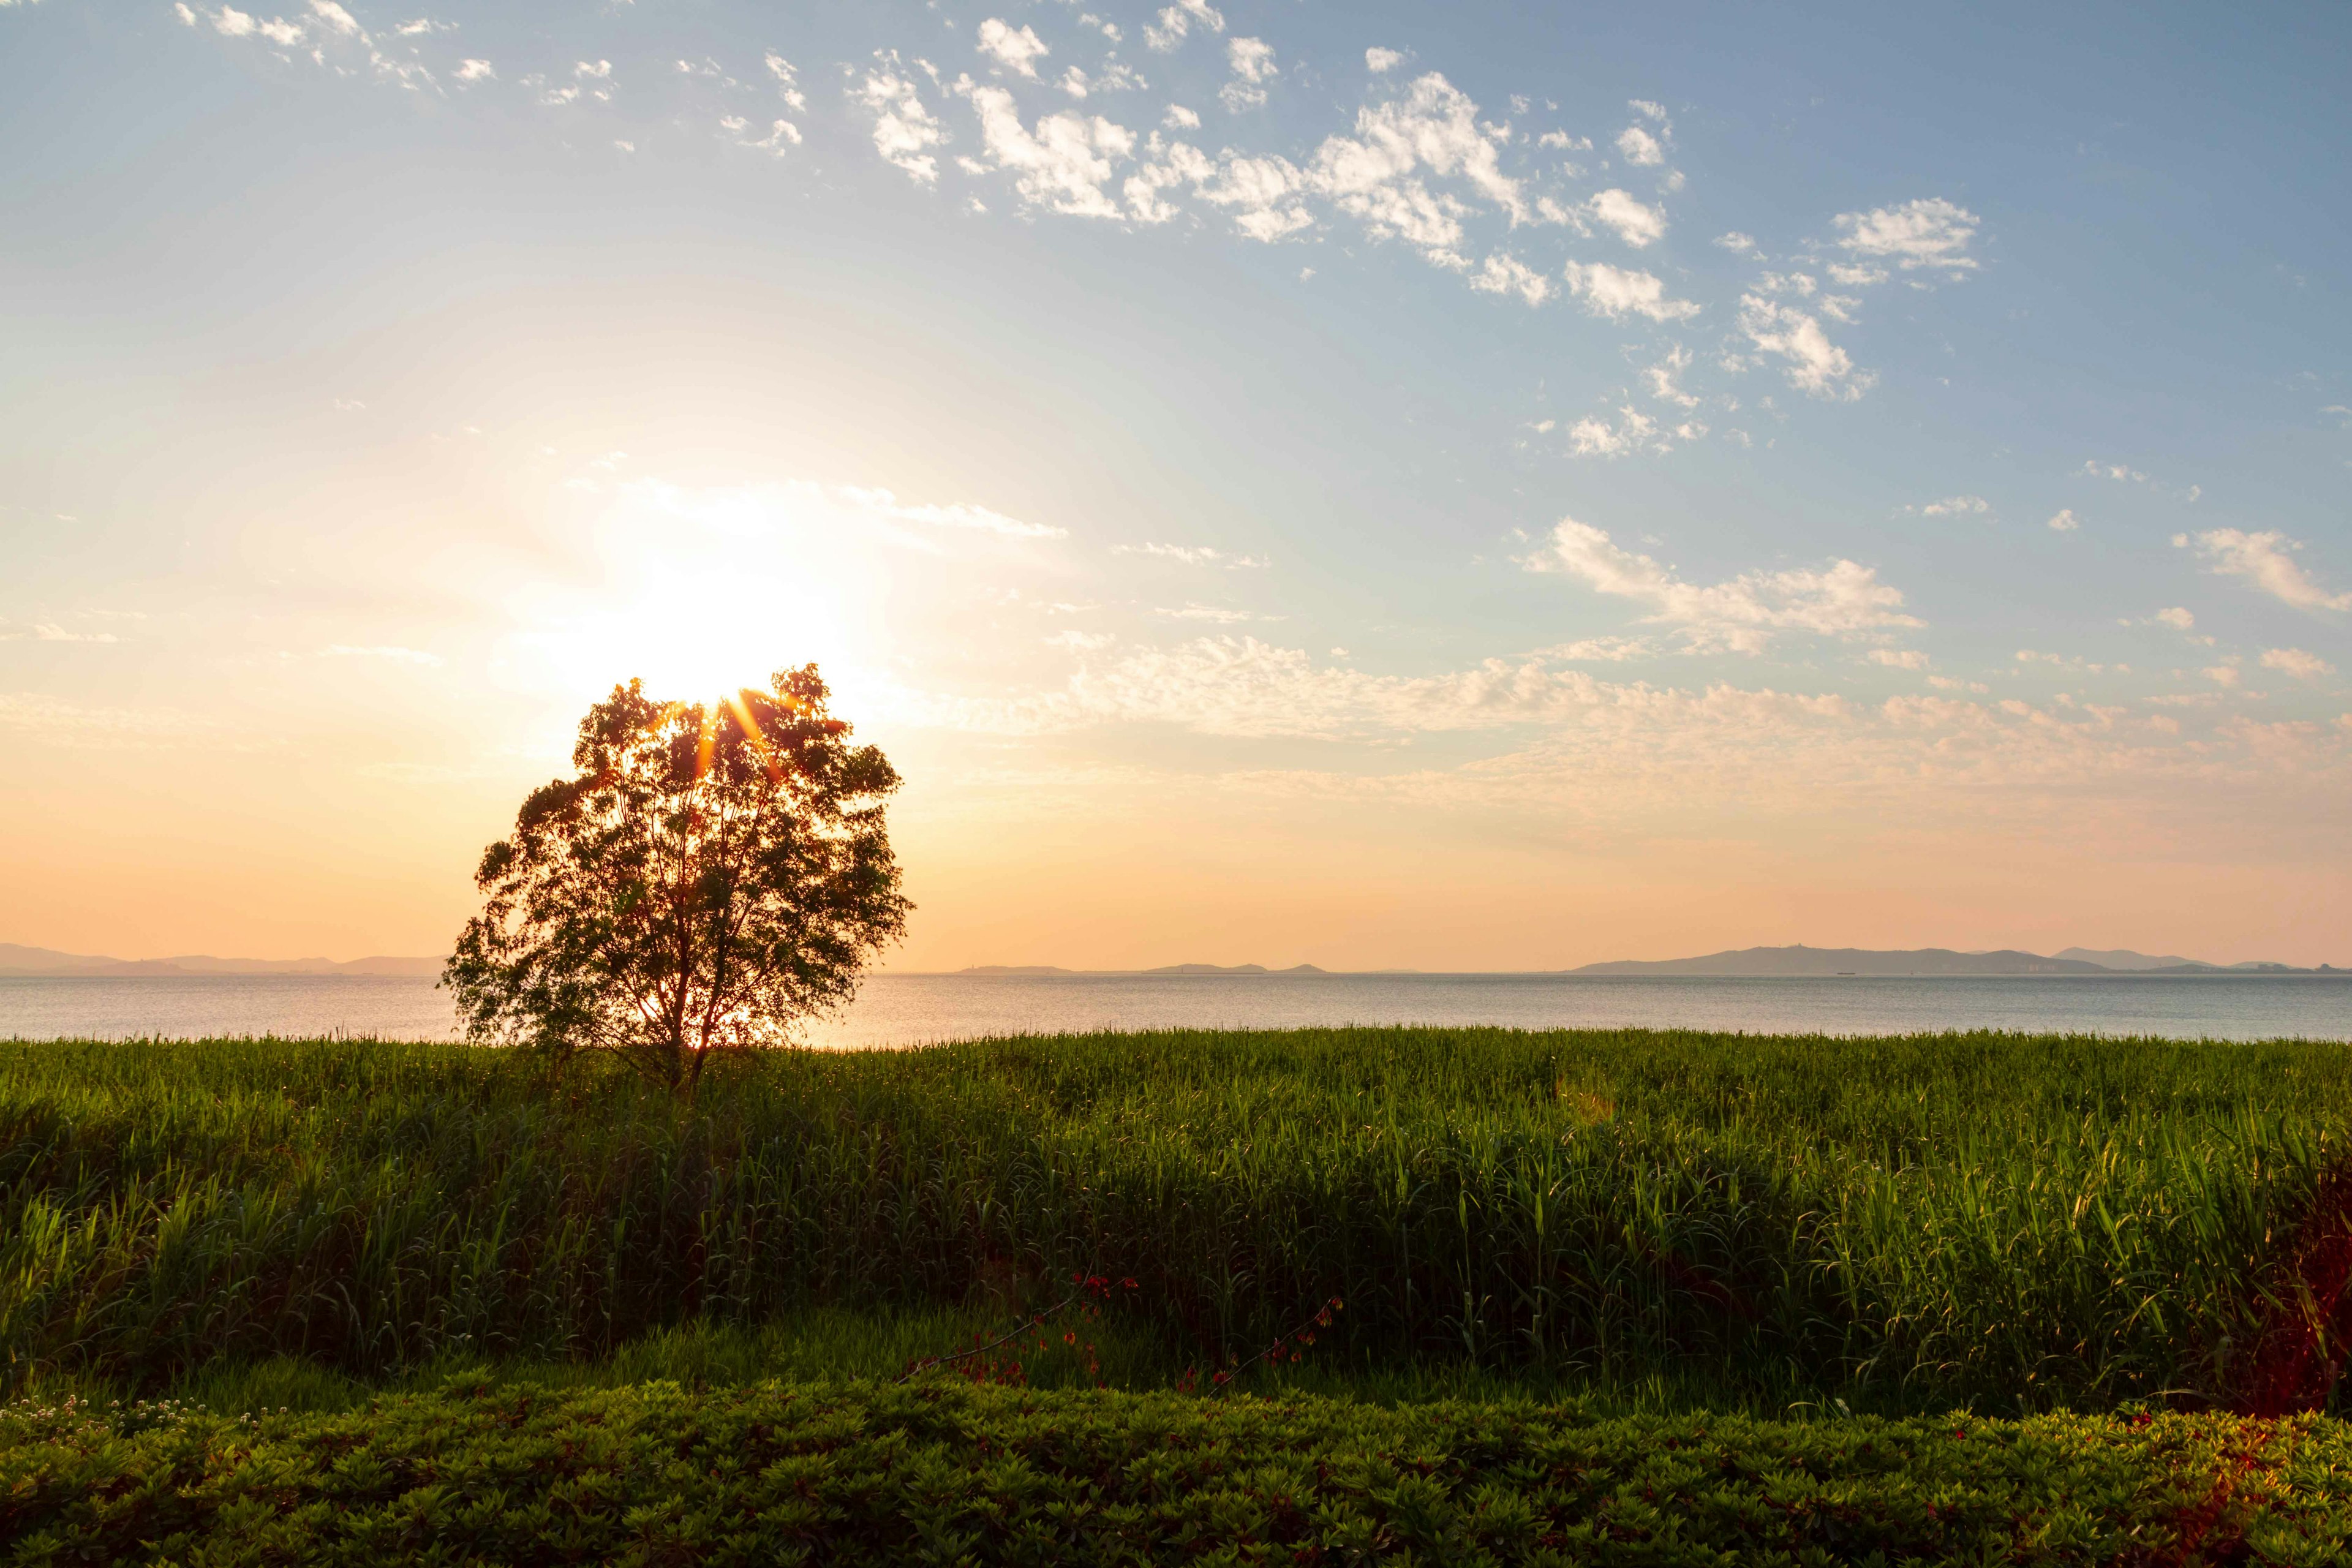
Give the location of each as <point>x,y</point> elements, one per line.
<point>879,502</point>
<point>1741,615</point>
<point>1812,363</point>
<point>1501,274</point>
<point>905,131</point>
<point>2124,473</point>
<point>1952,506</point>
<point>1064,164</point>
<point>1177,21</point>
<point>1015,48</point>
<point>1931,233</point>
<point>1380,61</point>
<point>2294,662</point>
<point>1617,292</point>
<point>2266,559</point>
<point>1379,175</point>
<point>1191,554</point>
<point>1638,225</point>
<point>2064,520</point>
<point>1251,61</point>
<point>1636,145</point>
<point>1634,431</point>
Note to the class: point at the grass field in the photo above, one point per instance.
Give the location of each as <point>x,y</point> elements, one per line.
<point>1661,1220</point>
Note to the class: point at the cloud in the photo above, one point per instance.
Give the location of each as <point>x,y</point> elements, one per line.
<point>1636,145</point>
<point>1176,20</point>
<point>1179,118</point>
<point>2124,473</point>
<point>1375,175</point>
<point>2175,616</point>
<point>1251,61</point>
<point>1501,274</point>
<point>1638,225</point>
<point>878,503</point>
<point>1592,437</point>
<point>2222,675</point>
<point>49,631</point>
<point>1015,48</point>
<point>1602,650</point>
<point>2295,662</point>
<point>1380,61</point>
<point>782,137</point>
<point>1113,78</point>
<point>1663,377</point>
<point>1740,244</point>
<point>2266,560</point>
<point>1814,365</point>
<point>2064,521</point>
<point>1191,554</point>
<point>1953,506</point>
<point>787,80</point>
<point>2073,662</point>
<point>1063,165</point>
<point>1899,658</point>
<point>904,130</point>
<point>1741,615</point>
<point>476,70</point>
<point>1617,292</point>
<point>1930,233</point>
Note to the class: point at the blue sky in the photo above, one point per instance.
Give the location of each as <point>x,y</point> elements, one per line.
<point>1460,485</point>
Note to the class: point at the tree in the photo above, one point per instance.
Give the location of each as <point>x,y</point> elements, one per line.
<point>711,875</point>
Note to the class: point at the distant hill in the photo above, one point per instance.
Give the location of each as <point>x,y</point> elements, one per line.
<point>2123,958</point>
<point>38,960</point>
<point>1833,961</point>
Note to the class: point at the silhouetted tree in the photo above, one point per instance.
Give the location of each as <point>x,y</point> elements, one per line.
<point>710,877</point>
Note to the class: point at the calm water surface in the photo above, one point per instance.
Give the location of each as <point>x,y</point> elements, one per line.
<point>909,1009</point>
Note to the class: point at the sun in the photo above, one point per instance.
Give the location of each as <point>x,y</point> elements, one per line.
<point>699,600</point>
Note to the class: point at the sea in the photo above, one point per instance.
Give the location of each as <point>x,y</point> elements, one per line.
<point>916,1009</point>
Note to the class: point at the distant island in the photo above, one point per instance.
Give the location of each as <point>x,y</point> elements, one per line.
<point>25,962</point>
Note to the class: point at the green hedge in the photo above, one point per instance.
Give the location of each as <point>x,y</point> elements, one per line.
<point>946,1472</point>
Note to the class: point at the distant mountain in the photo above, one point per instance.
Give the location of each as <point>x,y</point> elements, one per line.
<point>2123,958</point>
<point>1855,960</point>
<point>34,960</point>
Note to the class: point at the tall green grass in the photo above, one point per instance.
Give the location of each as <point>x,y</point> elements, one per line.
<point>2021,1222</point>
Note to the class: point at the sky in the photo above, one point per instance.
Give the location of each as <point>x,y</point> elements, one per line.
<point>1450,487</point>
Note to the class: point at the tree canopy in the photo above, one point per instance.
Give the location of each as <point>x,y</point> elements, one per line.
<point>711,876</point>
